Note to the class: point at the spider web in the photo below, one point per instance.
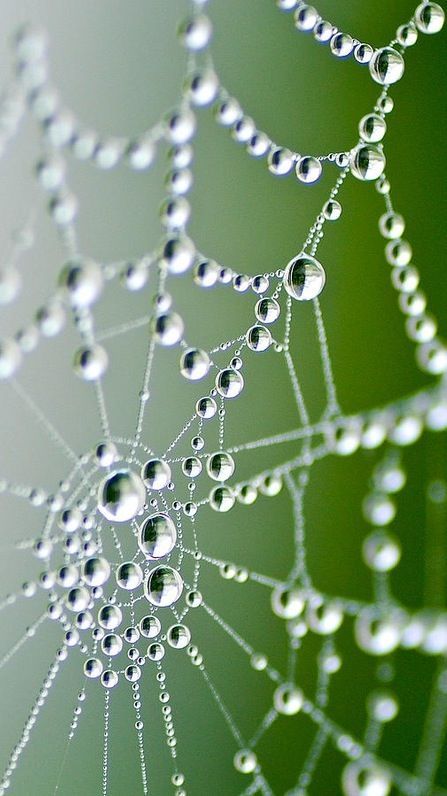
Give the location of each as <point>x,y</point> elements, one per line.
<point>156,682</point>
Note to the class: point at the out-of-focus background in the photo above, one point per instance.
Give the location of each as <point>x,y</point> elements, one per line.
<point>119,67</point>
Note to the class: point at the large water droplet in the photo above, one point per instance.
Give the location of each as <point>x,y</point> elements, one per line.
<point>157,535</point>
<point>304,277</point>
<point>163,586</point>
<point>121,496</point>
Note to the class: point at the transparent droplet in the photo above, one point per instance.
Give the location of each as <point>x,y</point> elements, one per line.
<point>342,45</point>
<point>90,363</point>
<point>229,383</point>
<point>324,616</point>
<point>258,338</point>
<point>156,474</point>
<point>202,86</point>
<point>111,644</point>
<point>429,17</point>
<point>407,35</point>
<point>106,453</point>
<point>220,466</point>
<point>267,310</point>
<point>50,319</point>
<point>332,210</point>
<point>206,273</point>
<point>288,699</point>
<point>398,252</point>
<point>96,571</point>
<point>222,498</point>
<point>110,617</point>
<point>288,603</point>
<point>150,626</point>
<point>194,364</point>
<point>82,282</point>
<point>372,128</point>
<point>367,162</point>
<point>78,599</point>
<point>386,66</point>
<point>379,509</point>
<point>155,651</point>
<point>308,169</point>
<point>163,586</point>
<point>180,126</point>
<point>247,494</point>
<point>306,17</point>
<point>304,277</point>
<point>178,636</point>
<point>383,706</point>
<point>195,32</point>
<point>10,284</point>
<point>245,761</point>
<point>378,633</point>
<point>10,358</point>
<point>109,678</point>
<point>93,667</point>
<point>206,407</point>
<point>121,495</point>
<point>178,254</point>
<point>168,328</point>
<point>129,575</point>
<point>132,673</point>
<point>192,467</point>
<point>366,778</point>
<point>363,53</point>
<point>280,161</point>
<point>140,154</point>
<point>391,225</point>
<point>157,536</point>
<point>381,551</point>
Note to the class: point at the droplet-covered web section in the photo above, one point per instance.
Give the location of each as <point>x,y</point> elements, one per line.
<point>123,544</point>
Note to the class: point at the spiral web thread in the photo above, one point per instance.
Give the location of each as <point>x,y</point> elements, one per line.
<point>379,627</point>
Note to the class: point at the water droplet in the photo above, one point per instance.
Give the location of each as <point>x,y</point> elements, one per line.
<point>245,761</point>
<point>179,636</point>
<point>92,667</point>
<point>220,466</point>
<point>386,66</point>
<point>150,626</point>
<point>168,328</point>
<point>156,474</point>
<point>194,364</point>
<point>157,536</point>
<point>121,496</point>
<point>429,17</point>
<point>367,162</point>
<point>163,586</point>
<point>96,571</point>
<point>222,498</point>
<point>304,278</point>
<point>111,644</point>
<point>365,778</point>
<point>90,362</point>
<point>308,169</point>
<point>267,310</point>
<point>192,467</point>
<point>110,617</point>
<point>258,338</point>
<point>372,128</point>
<point>229,383</point>
<point>129,575</point>
<point>288,699</point>
<point>81,282</point>
<point>381,551</point>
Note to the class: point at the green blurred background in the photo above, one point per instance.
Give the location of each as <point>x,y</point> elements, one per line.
<point>118,65</point>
